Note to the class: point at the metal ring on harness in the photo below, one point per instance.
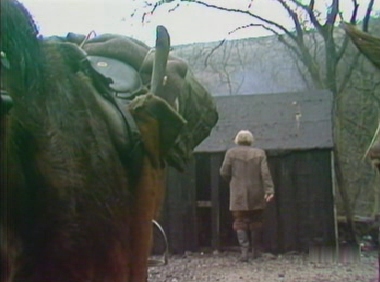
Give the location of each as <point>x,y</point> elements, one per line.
<point>164,261</point>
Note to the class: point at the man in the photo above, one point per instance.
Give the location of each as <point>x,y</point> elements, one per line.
<point>251,187</point>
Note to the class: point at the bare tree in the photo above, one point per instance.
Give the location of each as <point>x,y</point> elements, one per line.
<point>309,24</point>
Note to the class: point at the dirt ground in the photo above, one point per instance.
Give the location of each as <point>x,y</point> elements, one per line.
<point>224,267</point>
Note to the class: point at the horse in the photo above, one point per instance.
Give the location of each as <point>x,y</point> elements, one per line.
<point>82,177</point>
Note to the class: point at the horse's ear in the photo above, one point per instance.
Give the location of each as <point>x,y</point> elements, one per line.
<point>169,122</point>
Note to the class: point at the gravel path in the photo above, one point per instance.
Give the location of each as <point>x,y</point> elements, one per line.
<point>224,267</point>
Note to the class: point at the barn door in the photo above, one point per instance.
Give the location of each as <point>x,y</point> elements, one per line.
<point>210,202</point>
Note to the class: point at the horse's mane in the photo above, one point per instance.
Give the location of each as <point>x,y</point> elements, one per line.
<point>60,112</point>
<point>19,41</point>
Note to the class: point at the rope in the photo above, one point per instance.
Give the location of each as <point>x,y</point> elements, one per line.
<point>155,262</point>
<point>92,32</point>
<point>372,141</point>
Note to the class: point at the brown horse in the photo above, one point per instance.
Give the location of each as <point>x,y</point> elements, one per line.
<point>75,205</point>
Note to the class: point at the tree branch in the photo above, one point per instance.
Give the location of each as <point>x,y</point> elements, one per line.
<point>347,75</point>
<point>310,11</point>
<point>280,37</point>
<point>342,49</point>
<point>303,53</point>
<point>368,15</point>
<point>295,19</point>
<point>315,44</point>
<point>358,125</point>
<point>300,50</point>
<point>371,91</point>
<point>344,45</point>
<point>301,71</point>
<point>272,23</point>
<point>354,14</point>
<point>213,50</point>
<point>291,47</point>
<point>331,16</point>
<point>253,25</point>
<point>174,8</point>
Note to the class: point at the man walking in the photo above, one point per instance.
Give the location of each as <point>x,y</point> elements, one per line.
<point>251,187</point>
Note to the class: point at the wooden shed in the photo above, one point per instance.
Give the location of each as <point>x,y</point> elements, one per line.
<point>295,130</point>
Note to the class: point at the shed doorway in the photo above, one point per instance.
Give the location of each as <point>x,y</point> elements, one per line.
<point>203,206</point>
<point>212,203</point>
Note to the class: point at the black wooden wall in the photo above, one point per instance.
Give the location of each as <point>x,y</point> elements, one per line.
<point>178,214</point>
<point>303,210</point>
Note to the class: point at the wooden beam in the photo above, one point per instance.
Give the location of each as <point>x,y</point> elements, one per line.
<point>333,185</point>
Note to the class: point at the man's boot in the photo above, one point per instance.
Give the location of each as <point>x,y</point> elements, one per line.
<point>256,244</point>
<point>242,236</point>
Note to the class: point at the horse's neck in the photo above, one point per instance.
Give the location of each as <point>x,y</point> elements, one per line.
<point>23,82</point>
<point>27,80</point>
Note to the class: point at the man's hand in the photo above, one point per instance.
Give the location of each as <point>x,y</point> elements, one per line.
<point>268,197</point>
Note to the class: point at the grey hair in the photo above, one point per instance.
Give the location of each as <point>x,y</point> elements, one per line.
<point>244,137</point>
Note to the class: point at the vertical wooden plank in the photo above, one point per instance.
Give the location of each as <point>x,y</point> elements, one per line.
<point>270,225</point>
<point>188,200</point>
<point>215,163</point>
<point>334,203</point>
<point>227,236</point>
<point>172,215</point>
<point>180,209</point>
<point>286,206</point>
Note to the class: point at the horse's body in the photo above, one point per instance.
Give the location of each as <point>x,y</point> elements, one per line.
<point>73,209</point>
<point>62,169</point>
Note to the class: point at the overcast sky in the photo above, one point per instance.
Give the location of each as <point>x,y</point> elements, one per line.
<point>187,24</point>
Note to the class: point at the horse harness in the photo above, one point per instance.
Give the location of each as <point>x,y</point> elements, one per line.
<point>118,83</point>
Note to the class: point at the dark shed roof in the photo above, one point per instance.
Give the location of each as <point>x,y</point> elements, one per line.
<point>282,121</point>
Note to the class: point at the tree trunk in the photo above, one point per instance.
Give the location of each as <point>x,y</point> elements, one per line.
<point>331,83</point>
<point>340,179</point>
<point>345,197</point>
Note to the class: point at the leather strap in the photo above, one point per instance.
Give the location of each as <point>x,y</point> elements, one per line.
<point>133,155</point>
